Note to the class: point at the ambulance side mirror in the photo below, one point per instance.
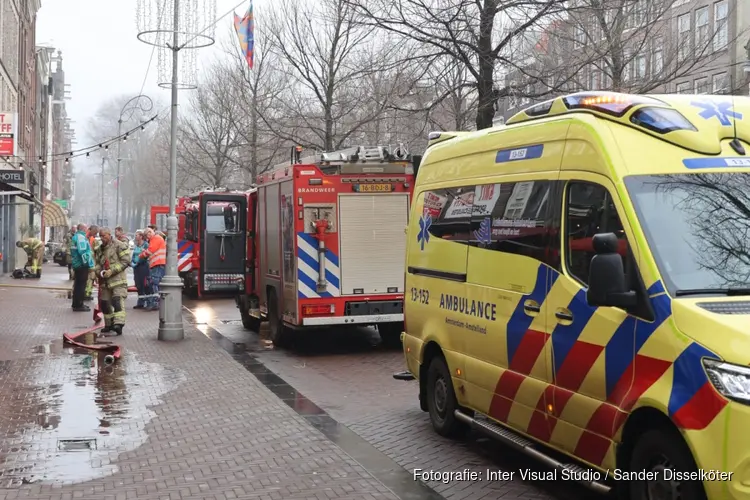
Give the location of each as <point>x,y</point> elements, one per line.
<point>607,282</point>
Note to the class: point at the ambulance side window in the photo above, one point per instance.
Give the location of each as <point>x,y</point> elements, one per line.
<point>589,211</point>
<point>449,211</point>
<point>513,217</point>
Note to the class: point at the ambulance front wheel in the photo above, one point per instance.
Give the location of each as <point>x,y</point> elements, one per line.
<point>441,400</point>
<point>663,452</point>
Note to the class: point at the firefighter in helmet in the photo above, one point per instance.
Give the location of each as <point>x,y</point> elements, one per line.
<point>112,263</point>
<point>94,242</point>
<point>67,240</point>
<point>34,249</point>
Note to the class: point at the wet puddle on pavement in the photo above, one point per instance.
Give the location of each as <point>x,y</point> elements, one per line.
<point>70,415</point>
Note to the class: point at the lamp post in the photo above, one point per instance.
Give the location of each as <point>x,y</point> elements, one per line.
<point>137,100</point>
<point>183,37</point>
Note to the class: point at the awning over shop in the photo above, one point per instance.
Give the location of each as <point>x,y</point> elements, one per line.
<point>54,216</point>
<point>10,190</point>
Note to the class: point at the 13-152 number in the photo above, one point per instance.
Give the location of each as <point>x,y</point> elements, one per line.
<point>420,295</point>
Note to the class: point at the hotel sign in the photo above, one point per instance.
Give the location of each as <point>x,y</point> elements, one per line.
<point>13,176</point>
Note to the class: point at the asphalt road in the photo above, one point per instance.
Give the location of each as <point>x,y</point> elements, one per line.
<point>348,375</point>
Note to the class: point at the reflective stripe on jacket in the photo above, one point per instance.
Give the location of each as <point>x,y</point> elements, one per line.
<point>156,253</point>
<point>115,257</point>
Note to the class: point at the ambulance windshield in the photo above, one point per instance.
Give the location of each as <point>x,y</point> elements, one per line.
<point>698,228</point>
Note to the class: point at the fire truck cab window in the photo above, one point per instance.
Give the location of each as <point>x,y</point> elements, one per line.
<point>190,226</point>
<point>513,217</point>
<point>450,212</point>
<point>589,211</point>
<point>221,217</point>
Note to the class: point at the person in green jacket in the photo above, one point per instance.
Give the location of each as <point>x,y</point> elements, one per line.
<point>34,249</point>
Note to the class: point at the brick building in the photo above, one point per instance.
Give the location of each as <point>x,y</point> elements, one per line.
<point>20,210</point>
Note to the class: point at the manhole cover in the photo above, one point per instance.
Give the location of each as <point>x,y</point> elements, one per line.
<point>232,321</point>
<point>76,444</point>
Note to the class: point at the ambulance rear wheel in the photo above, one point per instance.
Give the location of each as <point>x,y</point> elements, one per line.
<point>441,400</point>
<point>662,452</point>
<point>278,332</point>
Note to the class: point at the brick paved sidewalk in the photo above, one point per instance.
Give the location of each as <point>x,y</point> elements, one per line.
<point>170,421</point>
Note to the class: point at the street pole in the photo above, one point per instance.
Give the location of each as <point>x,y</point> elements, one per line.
<point>117,200</point>
<point>101,212</point>
<point>170,305</point>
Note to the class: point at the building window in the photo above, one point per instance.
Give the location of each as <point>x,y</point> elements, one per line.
<point>680,3</point>
<point>594,79</point>
<point>721,37</point>
<point>640,67</point>
<point>720,85</point>
<point>683,88</point>
<point>589,211</point>
<point>701,86</point>
<point>658,62</point>
<point>701,29</point>
<point>683,34</point>
<point>580,37</point>
<point>606,79</point>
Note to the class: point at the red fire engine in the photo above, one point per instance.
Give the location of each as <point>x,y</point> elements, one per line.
<point>211,241</point>
<point>330,242</point>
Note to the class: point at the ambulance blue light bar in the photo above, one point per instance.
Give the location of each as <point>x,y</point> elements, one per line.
<point>610,103</point>
<point>661,120</point>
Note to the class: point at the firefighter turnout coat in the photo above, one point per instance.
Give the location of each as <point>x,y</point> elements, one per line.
<point>113,290</point>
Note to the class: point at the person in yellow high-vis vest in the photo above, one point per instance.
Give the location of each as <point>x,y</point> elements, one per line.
<point>34,249</point>
<point>112,263</point>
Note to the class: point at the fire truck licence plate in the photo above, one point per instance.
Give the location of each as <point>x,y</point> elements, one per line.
<point>373,188</point>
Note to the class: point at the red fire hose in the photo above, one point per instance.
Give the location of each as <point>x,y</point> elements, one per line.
<point>113,350</point>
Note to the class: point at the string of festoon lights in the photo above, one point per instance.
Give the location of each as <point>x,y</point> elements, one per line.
<point>76,153</point>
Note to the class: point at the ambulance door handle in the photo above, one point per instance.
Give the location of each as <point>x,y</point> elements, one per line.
<point>531,308</point>
<point>564,315</point>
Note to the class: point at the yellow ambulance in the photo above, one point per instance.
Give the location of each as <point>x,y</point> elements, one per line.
<point>578,286</point>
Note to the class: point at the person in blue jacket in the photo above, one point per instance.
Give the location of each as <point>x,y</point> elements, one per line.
<point>82,260</point>
<point>141,270</point>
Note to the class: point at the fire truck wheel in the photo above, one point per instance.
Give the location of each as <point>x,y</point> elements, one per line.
<point>278,332</point>
<point>390,334</point>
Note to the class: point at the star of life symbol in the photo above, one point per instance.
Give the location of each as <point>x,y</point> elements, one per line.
<point>424,230</point>
<point>723,111</point>
<point>484,233</point>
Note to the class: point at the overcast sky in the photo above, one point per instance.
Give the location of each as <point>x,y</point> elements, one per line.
<point>102,57</point>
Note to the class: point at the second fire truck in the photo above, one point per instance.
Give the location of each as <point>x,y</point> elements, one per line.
<point>211,241</point>
<point>329,243</point>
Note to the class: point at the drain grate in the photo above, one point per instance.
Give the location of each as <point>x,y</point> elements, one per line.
<point>76,444</point>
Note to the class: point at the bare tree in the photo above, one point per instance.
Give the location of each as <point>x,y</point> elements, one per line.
<point>209,139</point>
<point>474,33</point>
<point>327,54</point>
<point>256,92</point>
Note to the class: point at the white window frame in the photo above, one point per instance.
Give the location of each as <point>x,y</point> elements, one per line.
<point>683,36</point>
<point>724,79</point>
<point>641,67</point>
<point>682,88</point>
<point>701,30</point>
<point>702,82</point>
<point>721,25</point>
